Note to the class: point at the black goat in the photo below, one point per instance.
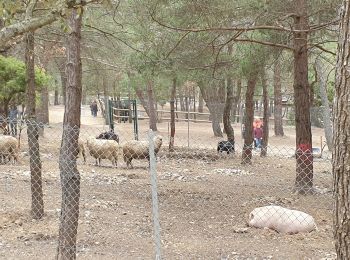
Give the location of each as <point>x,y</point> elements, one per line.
<point>226,146</point>
<point>110,135</point>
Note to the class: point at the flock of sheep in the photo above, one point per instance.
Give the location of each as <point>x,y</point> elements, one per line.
<point>104,146</point>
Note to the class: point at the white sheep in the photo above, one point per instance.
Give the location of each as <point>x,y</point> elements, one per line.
<point>281,219</point>
<point>103,149</point>
<point>8,148</point>
<point>139,149</point>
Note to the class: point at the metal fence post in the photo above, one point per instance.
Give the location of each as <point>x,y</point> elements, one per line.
<point>136,128</point>
<point>155,211</point>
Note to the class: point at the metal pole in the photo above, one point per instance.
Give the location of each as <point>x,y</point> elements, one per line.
<point>136,128</point>
<point>155,208</point>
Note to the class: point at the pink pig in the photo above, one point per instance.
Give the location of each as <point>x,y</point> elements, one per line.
<point>281,219</point>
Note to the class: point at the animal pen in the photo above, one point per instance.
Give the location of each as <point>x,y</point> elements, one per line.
<point>205,199</point>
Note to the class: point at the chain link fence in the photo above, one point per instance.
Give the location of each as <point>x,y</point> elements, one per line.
<point>119,200</point>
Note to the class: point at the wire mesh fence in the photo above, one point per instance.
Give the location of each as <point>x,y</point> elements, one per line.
<point>101,189</point>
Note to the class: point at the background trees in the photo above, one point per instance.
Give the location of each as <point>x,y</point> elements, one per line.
<point>211,51</point>
<point>13,81</point>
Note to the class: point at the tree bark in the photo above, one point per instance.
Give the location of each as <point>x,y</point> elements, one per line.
<point>216,114</point>
<point>142,98</point>
<point>277,99</point>
<point>326,108</point>
<point>70,176</point>
<point>228,129</point>
<point>43,110</point>
<point>200,103</point>
<point>56,102</point>
<point>6,106</point>
<point>63,82</point>
<point>214,102</point>
<point>182,103</point>
<point>341,150</point>
<point>37,209</point>
<point>194,102</point>
<point>237,100</point>
<point>105,100</point>
<point>265,140</point>
<point>187,108</point>
<point>249,116</point>
<point>312,87</point>
<point>152,109</point>
<point>304,158</point>
<point>172,115</point>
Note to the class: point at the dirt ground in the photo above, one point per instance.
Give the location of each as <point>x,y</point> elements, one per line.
<point>204,200</point>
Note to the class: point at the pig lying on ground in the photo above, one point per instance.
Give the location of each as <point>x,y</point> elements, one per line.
<point>281,219</point>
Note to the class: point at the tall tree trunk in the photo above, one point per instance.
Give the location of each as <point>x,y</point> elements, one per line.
<point>341,151</point>
<point>6,105</point>
<point>277,99</point>
<point>216,115</point>
<point>56,102</point>
<point>200,103</point>
<point>265,140</point>
<point>326,109</point>
<point>172,115</point>
<point>43,110</point>
<point>64,83</point>
<point>304,158</point>
<point>3,51</point>
<point>42,113</point>
<point>237,100</point>
<point>181,97</point>
<point>140,94</point>
<point>194,102</point>
<point>312,87</point>
<point>249,116</point>
<point>187,104</point>
<point>105,100</point>
<point>37,209</point>
<point>152,109</point>
<point>228,129</point>
<point>213,101</point>
<point>70,176</point>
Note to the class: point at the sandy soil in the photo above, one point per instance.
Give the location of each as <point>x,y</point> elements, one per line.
<point>204,200</point>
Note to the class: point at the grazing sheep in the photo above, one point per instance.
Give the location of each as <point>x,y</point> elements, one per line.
<point>103,149</point>
<point>139,149</point>
<point>281,219</point>
<point>110,135</point>
<point>8,149</point>
<point>226,146</point>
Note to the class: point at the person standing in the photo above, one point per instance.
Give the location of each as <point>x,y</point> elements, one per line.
<point>13,115</point>
<point>94,108</point>
<point>258,135</point>
<point>92,111</point>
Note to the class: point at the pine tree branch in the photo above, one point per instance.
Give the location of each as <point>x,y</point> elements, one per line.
<point>279,45</point>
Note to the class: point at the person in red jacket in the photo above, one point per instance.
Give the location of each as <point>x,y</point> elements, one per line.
<point>258,134</point>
